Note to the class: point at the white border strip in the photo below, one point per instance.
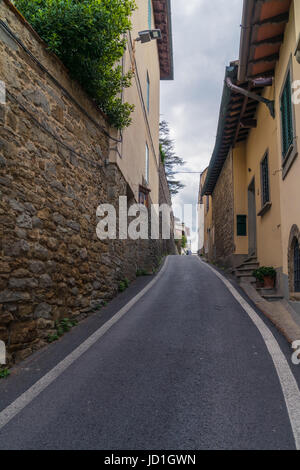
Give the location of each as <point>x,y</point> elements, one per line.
<point>20,403</point>
<point>287,380</point>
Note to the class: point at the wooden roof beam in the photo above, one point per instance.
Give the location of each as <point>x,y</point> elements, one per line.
<point>278,19</point>
<point>270,41</point>
<point>267,58</point>
<point>248,123</point>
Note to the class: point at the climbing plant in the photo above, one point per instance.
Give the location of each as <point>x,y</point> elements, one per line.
<point>89,36</point>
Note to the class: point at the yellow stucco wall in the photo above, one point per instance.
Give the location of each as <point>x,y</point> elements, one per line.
<point>240,195</point>
<point>208,226</point>
<point>261,140</point>
<point>290,186</point>
<point>132,152</point>
<point>247,166</point>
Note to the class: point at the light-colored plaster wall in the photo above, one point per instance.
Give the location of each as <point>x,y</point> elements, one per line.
<point>290,185</point>
<point>260,140</point>
<point>145,125</point>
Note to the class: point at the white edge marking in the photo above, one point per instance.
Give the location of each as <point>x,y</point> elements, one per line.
<point>287,380</point>
<point>23,400</point>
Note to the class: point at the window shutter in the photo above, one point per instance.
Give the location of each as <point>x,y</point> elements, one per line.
<point>265,180</point>
<point>287,116</point>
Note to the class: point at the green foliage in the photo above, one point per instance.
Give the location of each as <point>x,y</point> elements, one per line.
<point>52,338</point>
<point>62,327</point>
<point>263,272</point>
<point>123,285</point>
<point>4,373</point>
<point>102,304</point>
<point>89,36</point>
<point>183,241</point>
<point>169,158</point>
<point>141,272</point>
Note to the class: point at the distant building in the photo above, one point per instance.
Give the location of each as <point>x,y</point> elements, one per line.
<point>181,230</point>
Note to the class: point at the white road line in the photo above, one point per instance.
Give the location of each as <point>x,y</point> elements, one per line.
<point>23,400</point>
<point>287,380</point>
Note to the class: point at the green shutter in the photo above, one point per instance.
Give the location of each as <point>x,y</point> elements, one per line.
<point>241,225</point>
<point>287,117</point>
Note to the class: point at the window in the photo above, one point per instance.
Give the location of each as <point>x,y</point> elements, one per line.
<point>297,266</point>
<point>144,196</point>
<point>148,92</point>
<point>265,185</point>
<point>207,203</point>
<point>147,164</point>
<point>241,225</point>
<point>286,117</point>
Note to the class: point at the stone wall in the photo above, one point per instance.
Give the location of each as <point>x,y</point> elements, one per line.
<point>223,215</point>
<point>54,146</point>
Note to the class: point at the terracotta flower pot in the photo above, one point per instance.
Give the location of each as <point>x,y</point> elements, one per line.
<point>269,282</point>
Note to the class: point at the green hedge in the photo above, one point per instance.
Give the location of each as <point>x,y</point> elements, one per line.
<point>89,36</point>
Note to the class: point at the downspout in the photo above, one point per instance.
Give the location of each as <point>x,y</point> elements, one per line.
<point>245,39</point>
<point>270,104</point>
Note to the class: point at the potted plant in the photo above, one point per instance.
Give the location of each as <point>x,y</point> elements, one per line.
<point>265,277</point>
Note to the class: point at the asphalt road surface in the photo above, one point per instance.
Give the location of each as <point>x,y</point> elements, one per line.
<point>184,368</point>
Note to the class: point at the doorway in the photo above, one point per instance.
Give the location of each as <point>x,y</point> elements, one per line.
<point>252,219</point>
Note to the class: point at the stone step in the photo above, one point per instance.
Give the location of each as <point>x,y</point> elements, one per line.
<point>266,291</point>
<point>249,279</point>
<point>272,297</point>
<point>251,259</point>
<point>244,269</point>
<point>251,264</point>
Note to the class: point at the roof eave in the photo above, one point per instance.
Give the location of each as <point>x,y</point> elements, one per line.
<point>211,180</point>
<point>166,73</point>
<point>245,39</point>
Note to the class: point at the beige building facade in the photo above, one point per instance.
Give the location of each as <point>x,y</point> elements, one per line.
<point>137,155</point>
<point>254,173</point>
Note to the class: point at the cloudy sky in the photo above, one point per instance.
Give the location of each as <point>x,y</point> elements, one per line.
<point>205,39</point>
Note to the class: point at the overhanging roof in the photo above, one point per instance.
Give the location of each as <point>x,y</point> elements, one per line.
<point>236,112</point>
<point>163,21</point>
<point>263,27</point>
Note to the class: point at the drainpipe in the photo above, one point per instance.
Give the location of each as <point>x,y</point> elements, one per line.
<point>246,26</point>
<point>270,104</point>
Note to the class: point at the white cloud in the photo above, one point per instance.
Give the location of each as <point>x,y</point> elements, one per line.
<point>205,40</point>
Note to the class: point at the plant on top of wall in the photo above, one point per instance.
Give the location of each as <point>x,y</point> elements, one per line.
<point>89,36</point>
<point>265,275</point>
<point>4,373</point>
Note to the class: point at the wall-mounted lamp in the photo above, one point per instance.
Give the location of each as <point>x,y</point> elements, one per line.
<point>297,52</point>
<point>148,35</point>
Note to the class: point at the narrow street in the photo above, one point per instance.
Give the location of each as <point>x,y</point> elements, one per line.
<point>184,368</point>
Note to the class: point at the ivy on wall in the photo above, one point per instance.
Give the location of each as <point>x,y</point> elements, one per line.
<point>89,36</point>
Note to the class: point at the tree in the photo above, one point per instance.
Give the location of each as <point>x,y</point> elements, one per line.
<point>89,36</point>
<point>169,158</point>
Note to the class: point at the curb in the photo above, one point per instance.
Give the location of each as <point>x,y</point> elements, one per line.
<point>277,312</point>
